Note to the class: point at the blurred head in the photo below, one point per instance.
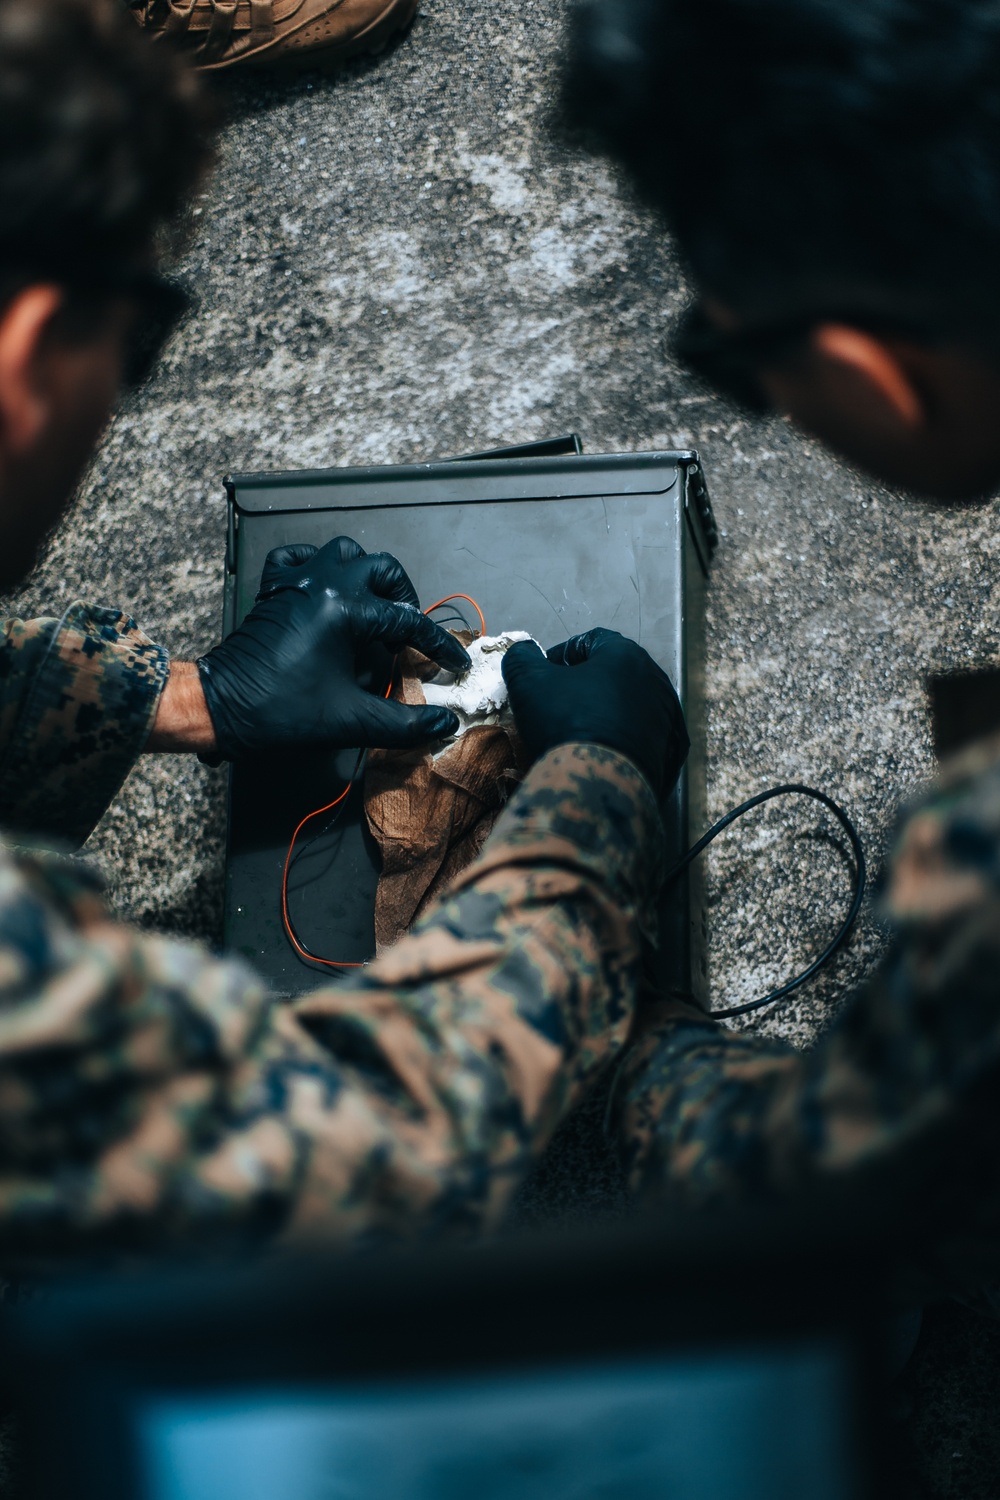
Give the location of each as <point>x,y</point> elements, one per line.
<point>831,170</point>
<point>101,140</point>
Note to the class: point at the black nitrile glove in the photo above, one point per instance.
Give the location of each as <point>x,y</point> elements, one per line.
<point>599,689</point>
<point>287,678</point>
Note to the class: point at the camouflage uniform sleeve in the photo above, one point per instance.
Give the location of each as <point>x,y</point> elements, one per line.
<point>895,1088</point>
<point>78,696</point>
<point>150,1094</point>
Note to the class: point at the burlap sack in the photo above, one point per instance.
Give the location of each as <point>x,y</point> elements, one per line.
<point>430,816</point>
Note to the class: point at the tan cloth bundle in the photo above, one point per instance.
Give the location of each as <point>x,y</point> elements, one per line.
<point>430,815</point>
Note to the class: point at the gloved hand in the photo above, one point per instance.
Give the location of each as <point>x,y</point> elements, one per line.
<point>287,678</point>
<point>600,689</point>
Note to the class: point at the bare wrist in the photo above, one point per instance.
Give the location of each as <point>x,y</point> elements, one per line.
<point>182,721</point>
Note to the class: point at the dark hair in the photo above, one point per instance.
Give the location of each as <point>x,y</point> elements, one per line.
<point>102,138</point>
<point>811,155</point>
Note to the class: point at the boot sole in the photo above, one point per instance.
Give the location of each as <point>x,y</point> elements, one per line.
<point>396,17</point>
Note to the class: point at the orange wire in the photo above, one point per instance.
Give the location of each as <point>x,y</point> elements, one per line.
<point>312,958</point>
<point>468,599</point>
<point>332,963</point>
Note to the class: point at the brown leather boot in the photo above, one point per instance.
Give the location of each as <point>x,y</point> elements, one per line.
<point>229,33</point>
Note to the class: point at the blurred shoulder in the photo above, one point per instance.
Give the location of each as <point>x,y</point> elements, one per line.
<point>945,856</point>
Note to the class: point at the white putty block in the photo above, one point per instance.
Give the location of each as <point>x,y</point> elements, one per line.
<point>479,695</point>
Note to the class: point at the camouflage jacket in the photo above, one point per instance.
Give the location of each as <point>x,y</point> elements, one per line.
<point>151,1094</point>
<point>902,1092</point>
<point>78,696</point>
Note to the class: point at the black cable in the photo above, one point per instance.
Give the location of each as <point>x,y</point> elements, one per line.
<point>791,788</point>
<point>455,613</point>
<point>452,615</point>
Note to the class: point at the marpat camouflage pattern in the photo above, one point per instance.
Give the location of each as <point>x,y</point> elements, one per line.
<point>151,1095</point>
<point>901,1090</point>
<point>78,697</point>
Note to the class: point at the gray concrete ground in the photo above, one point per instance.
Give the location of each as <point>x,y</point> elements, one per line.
<point>403,262</point>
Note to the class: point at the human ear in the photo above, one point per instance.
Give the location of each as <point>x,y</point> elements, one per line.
<point>24,401</point>
<point>871,374</point>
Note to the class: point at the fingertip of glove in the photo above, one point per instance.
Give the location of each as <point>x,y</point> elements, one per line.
<point>522,656</point>
<point>345,549</point>
<point>454,656</point>
<point>440,723</point>
<point>292,555</point>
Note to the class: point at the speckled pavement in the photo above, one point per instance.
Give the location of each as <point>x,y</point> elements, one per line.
<point>404,262</point>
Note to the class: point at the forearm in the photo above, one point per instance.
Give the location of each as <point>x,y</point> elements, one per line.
<point>182,721</point>
<point>412,1098</point>
<point>78,697</point>
<point>81,697</point>
<point>476,1034</point>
